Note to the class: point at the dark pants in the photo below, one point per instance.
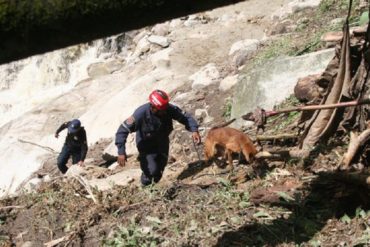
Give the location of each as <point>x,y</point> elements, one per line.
<point>152,166</point>
<point>64,157</point>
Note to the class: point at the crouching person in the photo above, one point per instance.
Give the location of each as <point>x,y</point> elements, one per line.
<point>153,124</point>
<point>75,144</point>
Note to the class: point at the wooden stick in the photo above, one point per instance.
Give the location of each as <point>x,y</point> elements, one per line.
<point>86,185</point>
<point>276,137</point>
<point>320,107</point>
<point>355,144</point>
<point>11,207</point>
<point>58,240</point>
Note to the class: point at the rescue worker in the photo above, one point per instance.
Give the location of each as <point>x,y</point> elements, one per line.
<point>153,124</point>
<point>75,144</point>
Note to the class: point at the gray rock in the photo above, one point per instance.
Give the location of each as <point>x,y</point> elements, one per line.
<point>97,69</point>
<point>206,76</point>
<point>27,244</point>
<point>228,82</point>
<point>245,45</point>
<point>159,40</point>
<point>161,58</point>
<point>161,29</point>
<point>100,69</point>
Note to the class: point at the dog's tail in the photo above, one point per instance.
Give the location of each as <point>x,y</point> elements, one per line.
<point>224,124</point>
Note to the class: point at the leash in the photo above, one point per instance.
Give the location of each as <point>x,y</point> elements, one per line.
<point>197,151</point>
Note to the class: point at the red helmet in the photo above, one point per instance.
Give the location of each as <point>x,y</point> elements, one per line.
<point>159,99</point>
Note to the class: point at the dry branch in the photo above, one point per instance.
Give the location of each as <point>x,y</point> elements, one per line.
<point>276,137</point>
<point>355,144</point>
<point>273,155</point>
<point>11,207</point>
<point>85,184</point>
<point>38,145</point>
<point>58,240</point>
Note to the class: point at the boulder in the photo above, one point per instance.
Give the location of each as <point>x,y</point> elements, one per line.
<point>159,40</point>
<point>142,47</point>
<point>161,29</point>
<point>228,82</point>
<point>161,58</point>
<point>245,45</point>
<point>275,80</point>
<point>206,76</point>
<point>307,89</point>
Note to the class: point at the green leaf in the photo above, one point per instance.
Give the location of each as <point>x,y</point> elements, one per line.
<point>285,196</point>
<point>262,214</point>
<point>360,213</point>
<point>235,220</point>
<point>315,243</point>
<point>364,18</point>
<point>345,219</point>
<point>224,182</point>
<point>244,204</point>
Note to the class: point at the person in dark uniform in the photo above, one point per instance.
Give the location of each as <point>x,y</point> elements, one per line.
<point>152,123</point>
<point>75,144</point>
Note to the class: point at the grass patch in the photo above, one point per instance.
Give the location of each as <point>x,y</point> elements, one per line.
<point>281,121</point>
<point>227,108</point>
<point>306,36</point>
<point>327,6</point>
<point>133,235</point>
<point>274,49</point>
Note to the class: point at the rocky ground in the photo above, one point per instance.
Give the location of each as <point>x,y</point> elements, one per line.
<point>286,202</point>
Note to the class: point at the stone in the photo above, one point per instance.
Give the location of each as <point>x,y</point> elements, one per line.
<point>206,76</point>
<point>332,37</point>
<point>159,40</point>
<point>246,45</point>
<point>161,58</point>
<point>306,89</point>
<point>142,46</point>
<point>161,29</point>
<point>274,81</point>
<point>228,82</point>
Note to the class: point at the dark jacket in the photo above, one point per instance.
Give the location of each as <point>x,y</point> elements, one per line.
<point>76,140</point>
<point>151,130</point>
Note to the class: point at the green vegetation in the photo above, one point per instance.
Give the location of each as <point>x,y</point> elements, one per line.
<point>333,5</point>
<point>281,121</point>
<point>308,32</point>
<point>275,49</point>
<point>14,14</point>
<point>227,108</point>
<point>133,235</point>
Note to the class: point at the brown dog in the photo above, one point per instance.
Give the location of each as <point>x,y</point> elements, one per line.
<point>232,141</point>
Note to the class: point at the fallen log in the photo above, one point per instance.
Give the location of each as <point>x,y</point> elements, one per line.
<point>59,240</point>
